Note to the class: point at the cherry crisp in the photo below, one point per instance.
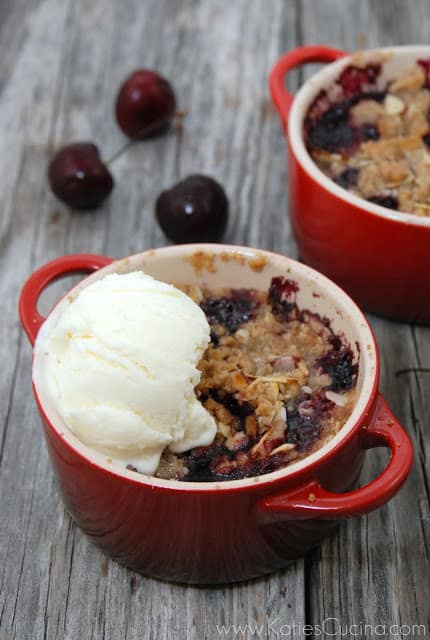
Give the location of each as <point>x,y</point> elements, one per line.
<point>277,379</point>
<point>373,137</point>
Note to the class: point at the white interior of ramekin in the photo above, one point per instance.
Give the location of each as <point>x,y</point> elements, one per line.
<point>234,267</point>
<point>395,60</point>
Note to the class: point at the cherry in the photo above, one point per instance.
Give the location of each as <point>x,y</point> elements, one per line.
<point>425,66</point>
<point>145,104</point>
<point>193,210</point>
<point>230,311</point>
<point>355,80</point>
<point>339,365</point>
<point>347,178</point>
<point>426,140</point>
<point>282,297</point>
<point>389,201</point>
<point>304,430</point>
<point>78,176</point>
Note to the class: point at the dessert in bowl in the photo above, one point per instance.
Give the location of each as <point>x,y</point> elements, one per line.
<point>234,520</point>
<point>358,172</point>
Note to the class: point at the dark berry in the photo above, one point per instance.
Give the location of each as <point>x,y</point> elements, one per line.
<point>425,66</point>
<point>214,338</point>
<point>230,311</point>
<point>236,408</point>
<point>193,210</point>
<point>145,104</point>
<point>78,177</point>
<point>304,422</point>
<point>348,178</point>
<point>328,125</point>
<point>339,365</point>
<point>199,460</point>
<point>225,469</point>
<point>332,132</point>
<point>217,463</point>
<point>369,132</point>
<point>389,201</point>
<point>354,80</point>
<point>426,140</point>
<point>282,296</point>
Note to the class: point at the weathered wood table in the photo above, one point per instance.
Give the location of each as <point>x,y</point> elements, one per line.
<point>60,65</point>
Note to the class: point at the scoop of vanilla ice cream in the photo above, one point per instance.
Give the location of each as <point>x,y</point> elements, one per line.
<point>121,367</point>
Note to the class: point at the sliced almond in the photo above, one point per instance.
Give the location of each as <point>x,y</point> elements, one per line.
<point>283,448</point>
<point>277,430</point>
<point>393,105</point>
<point>337,398</point>
<point>273,378</point>
<point>259,444</point>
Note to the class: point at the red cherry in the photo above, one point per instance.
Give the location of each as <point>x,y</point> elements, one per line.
<point>193,210</point>
<point>145,104</point>
<point>78,177</point>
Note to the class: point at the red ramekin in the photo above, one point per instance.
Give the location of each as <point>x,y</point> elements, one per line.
<point>379,256</point>
<point>221,532</point>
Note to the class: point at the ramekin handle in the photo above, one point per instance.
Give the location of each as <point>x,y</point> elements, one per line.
<point>301,55</point>
<point>313,501</point>
<point>31,319</point>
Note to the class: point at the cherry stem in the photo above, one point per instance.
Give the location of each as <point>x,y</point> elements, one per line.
<point>400,372</point>
<point>119,152</point>
<point>180,115</point>
<point>179,132</point>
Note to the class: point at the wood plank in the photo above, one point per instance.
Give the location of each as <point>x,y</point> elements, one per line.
<point>54,583</point>
<point>60,67</point>
<point>376,570</point>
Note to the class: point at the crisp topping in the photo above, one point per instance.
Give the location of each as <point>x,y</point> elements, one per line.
<point>373,139</point>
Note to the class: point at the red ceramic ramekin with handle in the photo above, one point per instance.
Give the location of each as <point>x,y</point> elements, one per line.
<point>379,256</point>
<point>221,532</point>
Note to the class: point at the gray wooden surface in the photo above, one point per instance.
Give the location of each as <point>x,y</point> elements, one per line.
<point>60,65</point>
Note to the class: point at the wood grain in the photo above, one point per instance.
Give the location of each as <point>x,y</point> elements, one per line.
<point>376,570</point>
<point>60,66</point>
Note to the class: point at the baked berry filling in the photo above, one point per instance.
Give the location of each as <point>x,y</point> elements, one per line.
<point>339,365</point>
<point>348,178</point>
<point>358,80</point>
<point>333,131</point>
<point>281,296</point>
<point>277,380</point>
<point>426,140</point>
<point>231,403</point>
<point>368,132</point>
<point>425,66</point>
<point>304,419</point>
<point>329,126</point>
<point>389,201</point>
<point>230,311</point>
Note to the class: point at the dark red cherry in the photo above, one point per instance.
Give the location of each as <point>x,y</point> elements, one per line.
<point>347,178</point>
<point>385,200</point>
<point>230,311</point>
<point>193,210</point>
<point>145,104</point>
<point>78,176</point>
<point>355,80</point>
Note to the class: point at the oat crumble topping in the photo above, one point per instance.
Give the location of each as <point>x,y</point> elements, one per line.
<point>374,140</point>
